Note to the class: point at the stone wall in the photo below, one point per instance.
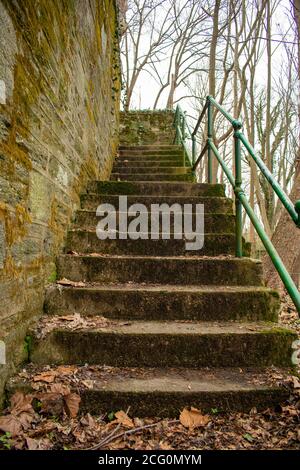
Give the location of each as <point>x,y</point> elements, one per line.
<point>59,101</point>
<point>147,127</point>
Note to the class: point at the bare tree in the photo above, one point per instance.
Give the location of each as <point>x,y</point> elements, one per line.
<point>147,35</point>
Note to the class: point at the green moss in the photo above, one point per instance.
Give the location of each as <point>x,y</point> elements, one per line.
<point>52,277</point>
<point>116,187</point>
<point>28,346</point>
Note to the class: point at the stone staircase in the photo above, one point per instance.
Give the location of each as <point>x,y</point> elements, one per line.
<point>187,328</point>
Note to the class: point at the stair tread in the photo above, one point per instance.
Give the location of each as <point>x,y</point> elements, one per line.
<point>219,258</point>
<point>185,380</point>
<point>175,328</point>
<point>132,287</point>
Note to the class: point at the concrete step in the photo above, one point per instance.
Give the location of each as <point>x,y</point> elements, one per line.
<point>220,205</point>
<point>164,392</point>
<point>145,188</point>
<point>84,241</point>
<point>165,302</point>
<point>152,177</point>
<point>136,170</point>
<point>122,163</point>
<point>151,150</point>
<point>140,159</point>
<point>213,223</point>
<point>139,148</point>
<point>180,270</point>
<point>167,344</point>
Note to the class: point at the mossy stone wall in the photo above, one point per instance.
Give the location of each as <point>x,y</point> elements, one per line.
<point>59,102</point>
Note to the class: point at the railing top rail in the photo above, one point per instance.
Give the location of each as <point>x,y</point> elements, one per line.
<point>200,119</point>
<point>241,199</point>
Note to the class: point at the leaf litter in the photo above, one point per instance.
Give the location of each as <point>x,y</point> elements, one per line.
<point>47,416</point>
<point>73,322</point>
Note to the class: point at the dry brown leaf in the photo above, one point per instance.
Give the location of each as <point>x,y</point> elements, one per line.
<point>20,403</point>
<point>32,444</point>
<point>60,388</point>
<point>72,404</point>
<point>193,418</point>
<point>66,370</point>
<point>67,282</point>
<point>51,403</point>
<point>88,383</point>
<point>10,424</point>
<point>123,418</point>
<point>26,419</point>
<point>48,376</point>
<point>296,382</point>
<point>89,421</point>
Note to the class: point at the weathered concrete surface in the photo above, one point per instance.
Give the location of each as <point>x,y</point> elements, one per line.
<point>165,392</point>
<point>168,344</point>
<point>59,99</point>
<point>165,270</point>
<point>165,302</point>
<point>85,241</point>
<point>147,127</point>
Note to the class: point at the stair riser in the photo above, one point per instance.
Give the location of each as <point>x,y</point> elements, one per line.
<point>164,350</point>
<point>150,159</point>
<point>151,153</point>
<point>151,177</point>
<point>155,189</point>
<point>121,163</point>
<point>88,242</point>
<point>213,223</point>
<point>167,404</point>
<point>138,148</point>
<point>169,170</point>
<point>211,205</point>
<point>180,271</point>
<point>162,305</point>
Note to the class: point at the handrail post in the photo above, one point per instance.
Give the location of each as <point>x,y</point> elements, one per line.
<point>297,209</point>
<point>176,126</point>
<point>209,137</point>
<point>237,189</point>
<point>183,127</point>
<point>193,149</point>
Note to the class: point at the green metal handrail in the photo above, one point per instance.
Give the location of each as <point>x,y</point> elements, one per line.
<point>183,131</point>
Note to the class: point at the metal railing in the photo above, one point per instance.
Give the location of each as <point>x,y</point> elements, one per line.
<point>183,132</point>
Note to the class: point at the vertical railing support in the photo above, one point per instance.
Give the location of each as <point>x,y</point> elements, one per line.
<point>209,137</point>
<point>176,122</point>
<point>193,149</point>
<point>237,189</point>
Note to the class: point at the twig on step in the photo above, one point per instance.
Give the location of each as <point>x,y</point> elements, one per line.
<point>112,436</point>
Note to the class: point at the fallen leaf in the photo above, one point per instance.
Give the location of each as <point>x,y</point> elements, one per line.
<point>10,424</point>
<point>123,418</point>
<point>193,418</point>
<point>72,404</point>
<point>296,382</point>
<point>88,383</point>
<point>48,377</point>
<point>26,419</point>
<point>51,403</point>
<point>66,370</point>
<point>60,388</point>
<point>20,402</point>
<point>67,282</point>
<point>32,444</point>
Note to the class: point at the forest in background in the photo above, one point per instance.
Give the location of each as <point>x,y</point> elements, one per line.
<point>245,53</point>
